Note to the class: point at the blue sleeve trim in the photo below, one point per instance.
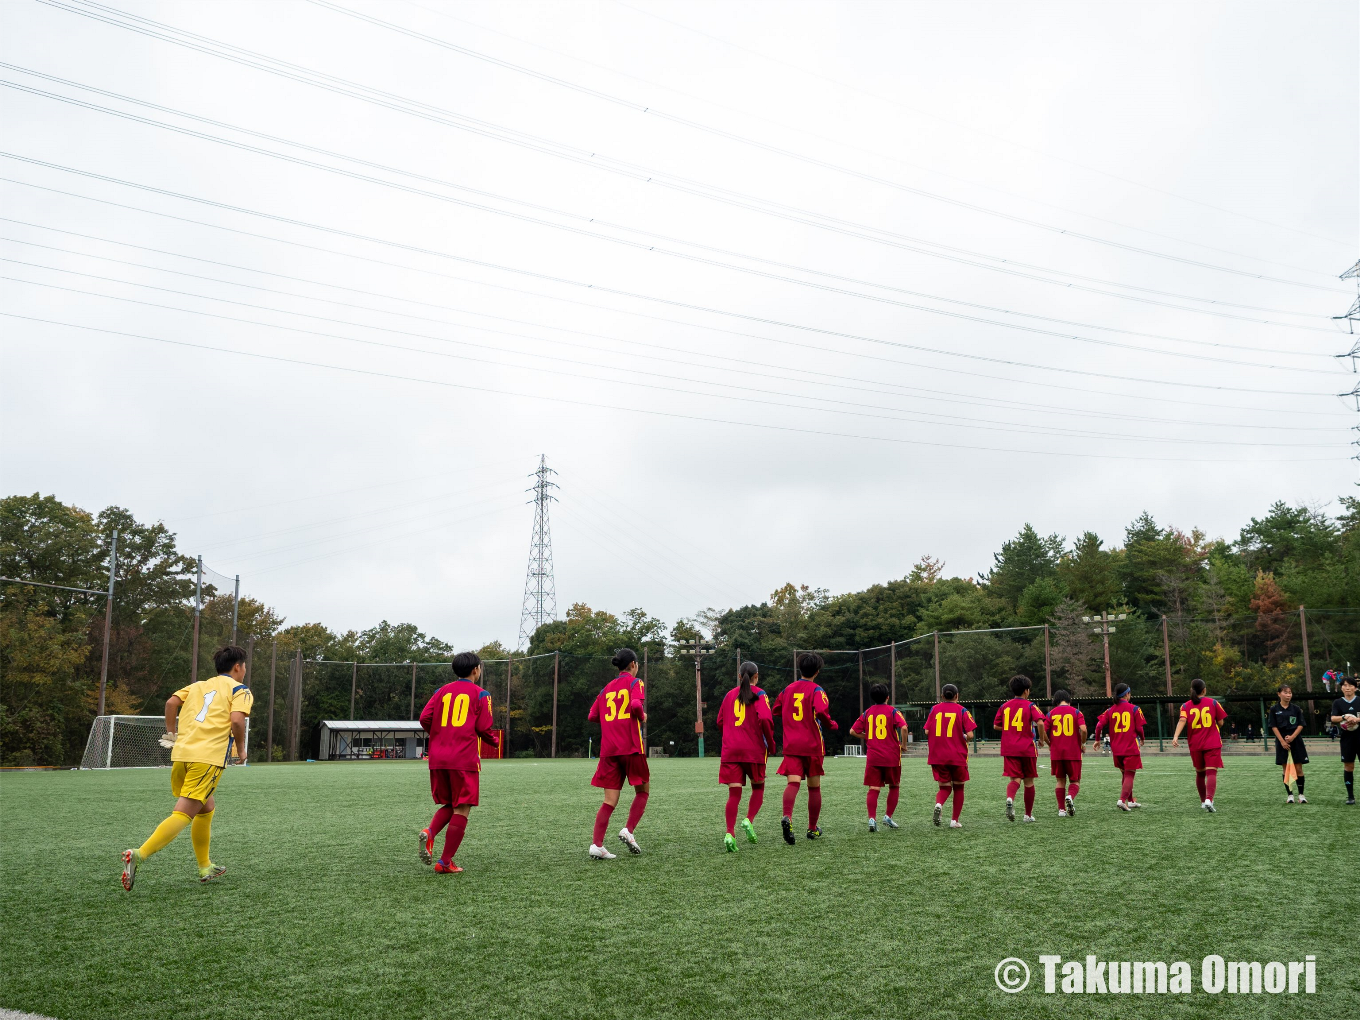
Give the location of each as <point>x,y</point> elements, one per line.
<point>240,687</point>
<point>484,694</point>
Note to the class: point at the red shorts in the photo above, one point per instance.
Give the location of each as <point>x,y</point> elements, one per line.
<point>1209,758</point>
<point>1128,762</point>
<point>947,774</point>
<point>454,787</point>
<point>803,765</point>
<point>882,775</point>
<point>1021,767</point>
<point>737,772</point>
<point>612,769</point>
<point>1065,768</point>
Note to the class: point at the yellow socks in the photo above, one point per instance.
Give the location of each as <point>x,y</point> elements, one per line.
<point>165,834</point>
<point>201,834</point>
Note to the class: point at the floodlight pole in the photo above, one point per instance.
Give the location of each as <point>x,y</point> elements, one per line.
<point>353,686</point>
<point>198,610</point>
<point>1048,668</point>
<point>1105,630</point>
<point>108,621</point>
<point>273,670</point>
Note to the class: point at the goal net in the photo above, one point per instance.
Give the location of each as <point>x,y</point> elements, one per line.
<point>129,742</point>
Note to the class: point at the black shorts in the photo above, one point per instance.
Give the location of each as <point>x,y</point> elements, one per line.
<point>1296,750</point>
<point>1350,744</point>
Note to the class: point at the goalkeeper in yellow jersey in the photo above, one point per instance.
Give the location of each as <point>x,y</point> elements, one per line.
<point>205,722</point>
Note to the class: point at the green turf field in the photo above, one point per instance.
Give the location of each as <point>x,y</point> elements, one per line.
<point>326,912</point>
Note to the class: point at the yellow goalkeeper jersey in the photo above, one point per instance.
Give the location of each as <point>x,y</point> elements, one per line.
<point>204,733</point>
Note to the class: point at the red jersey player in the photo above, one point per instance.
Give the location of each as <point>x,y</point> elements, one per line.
<point>881,726</point>
<point>1204,717</point>
<point>621,709</point>
<point>801,704</point>
<point>1124,721</point>
<point>1016,719</point>
<point>747,739</point>
<point>947,729</point>
<point>1066,744</point>
<point>456,717</point>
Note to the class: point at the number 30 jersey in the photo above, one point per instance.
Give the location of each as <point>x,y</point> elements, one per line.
<point>1064,734</point>
<point>203,733</point>
<point>620,709</point>
<point>457,715</point>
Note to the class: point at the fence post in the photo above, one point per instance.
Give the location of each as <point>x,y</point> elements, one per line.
<point>557,657</point>
<point>509,668</point>
<point>1048,669</point>
<point>413,691</point>
<point>1307,665</point>
<point>250,659</point>
<point>1160,745</point>
<point>937,665</point>
<point>644,692</point>
<point>861,683</point>
<point>273,671</point>
<point>1166,653</point>
<point>1265,743</point>
<point>108,622</point>
<point>353,686</point>
<point>235,606</point>
<point>198,609</point>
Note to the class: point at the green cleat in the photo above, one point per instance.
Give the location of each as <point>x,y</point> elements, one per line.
<point>749,829</point>
<point>131,858</point>
<point>729,843</point>
<point>211,872</point>
<point>815,833</point>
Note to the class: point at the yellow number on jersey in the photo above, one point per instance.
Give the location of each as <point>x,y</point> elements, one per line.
<point>460,709</point>
<point>1122,721</point>
<point>1064,726</point>
<point>878,727</point>
<point>798,707</point>
<point>624,697</point>
<point>1018,719</point>
<point>738,712</point>
<point>613,709</point>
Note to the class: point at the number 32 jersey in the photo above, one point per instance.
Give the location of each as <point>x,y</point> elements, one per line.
<point>457,715</point>
<point>203,733</point>
<point>619,709</point>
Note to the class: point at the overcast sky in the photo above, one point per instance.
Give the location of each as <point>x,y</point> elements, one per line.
<point>793,292</point>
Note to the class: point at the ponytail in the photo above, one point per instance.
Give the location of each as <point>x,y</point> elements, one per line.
<point>1196,691</point>
<point>748,672</point>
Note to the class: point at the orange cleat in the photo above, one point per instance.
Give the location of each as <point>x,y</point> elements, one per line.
<point>440,868</point>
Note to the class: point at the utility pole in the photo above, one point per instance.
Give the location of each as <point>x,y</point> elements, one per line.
<point>108,620</point>
<point>235,606</point>
<point>540,590</point>
<point>698,648</point>
<point>1166,652</point>
<point>1105,630</point>
<point>198,611</point>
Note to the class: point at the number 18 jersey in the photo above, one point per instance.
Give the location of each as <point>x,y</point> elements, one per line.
<point>880,725</point>
<point>455,717</point>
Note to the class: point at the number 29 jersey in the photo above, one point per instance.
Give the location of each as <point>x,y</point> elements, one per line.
<point>455,717</point>
<point>619,709</point>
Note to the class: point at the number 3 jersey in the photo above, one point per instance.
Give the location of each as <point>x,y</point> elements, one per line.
<point>879,725</point>
<point>457,715</point>
<point>1064,734</point>
<point>204,730</point>
<point>799,705</point>
<point>620,709</point>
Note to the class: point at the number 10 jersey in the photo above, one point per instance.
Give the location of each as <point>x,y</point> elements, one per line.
<point>455,717</point>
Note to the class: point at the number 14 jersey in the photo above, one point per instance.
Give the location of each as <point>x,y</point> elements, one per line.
<point>455,717</point>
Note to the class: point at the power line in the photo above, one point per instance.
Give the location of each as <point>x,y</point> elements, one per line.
<point>615,406</point>
<point>341,86</point>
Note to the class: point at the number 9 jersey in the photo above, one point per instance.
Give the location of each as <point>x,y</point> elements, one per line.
<point>455,717</point>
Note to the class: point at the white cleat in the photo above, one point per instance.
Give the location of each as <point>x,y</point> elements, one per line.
<point>935,815</point>
<point>887,820</point>
<point>1134,804</point>
<point>1122,806</point>
<point>1303,799</point>
<point>600,853</point>
<point>1062,813</point>
<point>1205,805</point>
<point>954,823</point>
<point>873,825</point>
<point>1071,806</point>
<point>1010,809</point>
<point>1209,807</point>
<point>1289,799</point>
<point>629,841</point>
<point>1027,818</point>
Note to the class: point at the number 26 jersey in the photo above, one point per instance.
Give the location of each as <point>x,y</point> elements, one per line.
<point>455,717</point>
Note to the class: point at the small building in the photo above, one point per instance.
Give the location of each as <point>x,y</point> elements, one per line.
<point>358,739</point>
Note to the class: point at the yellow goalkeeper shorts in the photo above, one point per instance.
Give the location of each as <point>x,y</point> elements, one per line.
<point>194,780</point>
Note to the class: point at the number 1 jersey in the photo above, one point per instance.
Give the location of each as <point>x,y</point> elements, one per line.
<point>619,709</point>
<point>455,717</point>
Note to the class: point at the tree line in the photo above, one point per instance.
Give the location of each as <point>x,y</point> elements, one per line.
<point>1230,608</point>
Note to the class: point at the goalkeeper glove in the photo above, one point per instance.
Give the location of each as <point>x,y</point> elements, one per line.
<point>167,740</point>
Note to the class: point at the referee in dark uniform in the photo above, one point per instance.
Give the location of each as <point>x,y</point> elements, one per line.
<point>1343,708</point>
<point>1286,722</point>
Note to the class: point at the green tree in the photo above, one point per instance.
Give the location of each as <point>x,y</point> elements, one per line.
<point>1022,561</point>
<point>1090,573</point>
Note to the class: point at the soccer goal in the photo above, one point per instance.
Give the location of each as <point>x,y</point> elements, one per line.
<point>129,742</point>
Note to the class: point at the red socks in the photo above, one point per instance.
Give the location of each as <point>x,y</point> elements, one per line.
<point>1011,789</point>
<point>892,801</point>
<point>635,810</point>
<point>1210,783</point>
<point>1061,793</point>
<point>1126,790</point>
<point>602,823</point>
<point>790,795</point>
<point>958,800</point>
<point>941,795</point>
<point>454,838</point>
<point>873,803</point>
<point>814,805</point>
<point>1029,800</point>
<point>1202,786</point>
<point>733,806</point>
<point>753,805</point>
<point>1072,789</point>
<point>437,823</point>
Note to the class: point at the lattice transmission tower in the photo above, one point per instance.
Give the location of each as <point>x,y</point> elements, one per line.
<point>540,590</point>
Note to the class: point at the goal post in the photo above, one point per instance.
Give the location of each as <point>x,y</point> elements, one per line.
<point>129,742</point>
